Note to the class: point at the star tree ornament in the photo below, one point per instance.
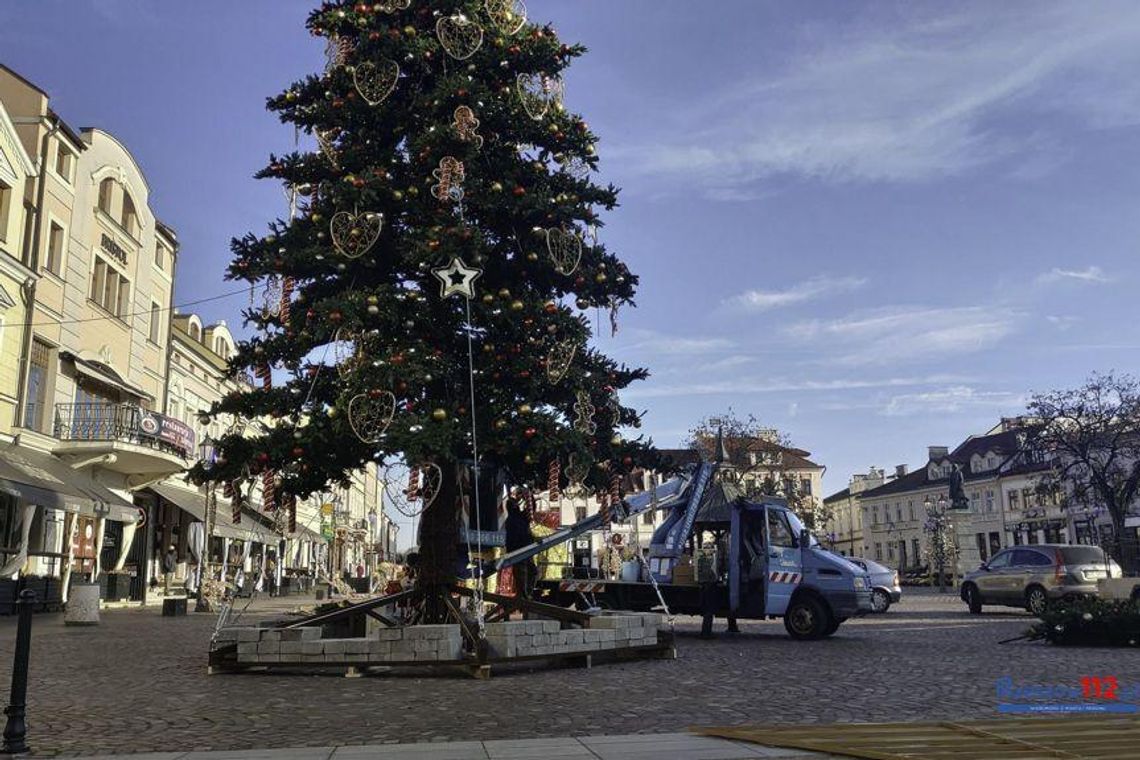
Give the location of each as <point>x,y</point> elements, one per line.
<point>457,279</point>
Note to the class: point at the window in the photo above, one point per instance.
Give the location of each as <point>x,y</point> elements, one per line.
<point>106,188</point>
<point>64,159</point>
<point>989,500</point>
<point>53,262</point>
<point>995,542</point>
<point>1030,558</point>
<point>5,207</point>
<point>878,551</point>
<point>647,518</point>
<point>195,333</point>
<point>38,372</point>
<point>805,486</point>
<point>898,513</point>
<point>1000,560</point>
<point>914,547</point>
<point>130,218</point>
<point>155,323</point>
<point>110,289</point>
<point>579,514</point>
<point>910,508</point>
<point>891,552</point>
<point>1014,501</point>
<point>982,547</point>
<point>779,533</point>
<point>160,256</point>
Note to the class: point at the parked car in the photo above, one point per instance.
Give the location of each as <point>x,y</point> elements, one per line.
<point>885,588</point>
<point>1032,576</point>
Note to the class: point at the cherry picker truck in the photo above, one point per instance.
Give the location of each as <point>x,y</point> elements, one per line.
<point>775,568</point>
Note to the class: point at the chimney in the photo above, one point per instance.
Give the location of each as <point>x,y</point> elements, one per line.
<point>900,471</point>
<point>937,452</point>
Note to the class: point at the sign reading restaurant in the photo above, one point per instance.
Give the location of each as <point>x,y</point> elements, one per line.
<point>168,430</point>
<point>107,243</point>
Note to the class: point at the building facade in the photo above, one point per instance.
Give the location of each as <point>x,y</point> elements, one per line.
<point>846,534</point>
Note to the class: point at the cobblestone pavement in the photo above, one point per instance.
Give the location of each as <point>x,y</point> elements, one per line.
<point>138,682</point>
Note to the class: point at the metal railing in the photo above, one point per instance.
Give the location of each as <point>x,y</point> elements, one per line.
<point>104,421</point>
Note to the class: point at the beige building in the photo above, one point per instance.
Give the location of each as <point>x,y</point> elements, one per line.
<point>846,534</point>
<point>91,375</point>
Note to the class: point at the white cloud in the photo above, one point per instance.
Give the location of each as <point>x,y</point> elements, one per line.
<point>952,399</point>
<point>816,287</point>
<point>738,386</point>
<point>909,98</point>
<point>892,334</point>
<point>655,342</point>
<point>1090,274</point>
<point>1062,322</point>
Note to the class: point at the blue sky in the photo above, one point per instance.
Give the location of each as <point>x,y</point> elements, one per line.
<point>876,226</point>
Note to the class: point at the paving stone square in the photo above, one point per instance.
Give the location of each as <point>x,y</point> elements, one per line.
<point>138,683</point>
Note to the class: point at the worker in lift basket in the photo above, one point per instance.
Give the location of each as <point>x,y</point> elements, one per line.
<point>708,578</point>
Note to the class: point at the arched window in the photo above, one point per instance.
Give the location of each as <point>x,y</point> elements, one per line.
<point>194,332</point>
<point>130,218</point>
<point>106,188</point>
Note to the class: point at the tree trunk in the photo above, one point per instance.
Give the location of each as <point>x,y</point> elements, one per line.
<point>438,538</point>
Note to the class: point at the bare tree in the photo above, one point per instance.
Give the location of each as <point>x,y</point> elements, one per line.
<point>768,474</point>
<point>1091,436</point>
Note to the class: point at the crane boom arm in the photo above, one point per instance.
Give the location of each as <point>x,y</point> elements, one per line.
<point>662,496</point>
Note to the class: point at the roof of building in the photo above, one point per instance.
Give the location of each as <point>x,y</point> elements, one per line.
<point>837,496</point>
<point>792,458</point>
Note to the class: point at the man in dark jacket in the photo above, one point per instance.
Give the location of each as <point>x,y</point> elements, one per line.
<point>517,528</point>
<point>169,563</point>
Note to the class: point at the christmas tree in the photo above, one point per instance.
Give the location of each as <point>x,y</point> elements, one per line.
<point>429,297</point>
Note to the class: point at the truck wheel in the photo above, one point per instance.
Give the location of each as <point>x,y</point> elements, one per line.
<point>833,625</point>
<point>973,598</point>
<point>880,600</point>
<point>806,619</point>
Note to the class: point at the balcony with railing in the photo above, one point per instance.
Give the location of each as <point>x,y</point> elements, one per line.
<point>142,442</point>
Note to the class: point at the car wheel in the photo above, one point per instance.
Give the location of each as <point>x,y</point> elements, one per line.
<point>973,598</point>
<point>1035,600</point>
<point>832,625</point>
<point>880,600</point>
<point>806,619</point>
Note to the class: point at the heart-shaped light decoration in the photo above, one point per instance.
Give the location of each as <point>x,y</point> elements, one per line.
<point>376,81</point>
<point>565,250</point>
<point>460,36</point>
<point>539,93</point>
<point>370,414</point>
<point>559,359</point>
<point>508,15</point>
<point>353,234</point>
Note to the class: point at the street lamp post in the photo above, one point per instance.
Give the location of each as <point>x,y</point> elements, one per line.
<point>208,453</point>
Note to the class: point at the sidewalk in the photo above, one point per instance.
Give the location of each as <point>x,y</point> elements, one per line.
<point>627,747</point>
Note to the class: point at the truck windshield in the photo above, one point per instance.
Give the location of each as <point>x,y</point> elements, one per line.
<point>798,526</point>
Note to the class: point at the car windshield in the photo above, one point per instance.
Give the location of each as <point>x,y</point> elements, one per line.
<point>1082,555</point>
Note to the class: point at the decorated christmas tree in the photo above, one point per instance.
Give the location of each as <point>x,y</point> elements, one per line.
<point>429,299</point>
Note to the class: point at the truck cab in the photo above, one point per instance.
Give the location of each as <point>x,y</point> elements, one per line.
<point>777,569</point>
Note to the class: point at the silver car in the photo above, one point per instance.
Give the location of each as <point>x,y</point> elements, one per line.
<point>885,588</point>
<point>1034,575</point>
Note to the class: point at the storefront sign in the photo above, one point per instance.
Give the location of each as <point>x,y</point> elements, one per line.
<point>175,432</point>
<point>113,248</point>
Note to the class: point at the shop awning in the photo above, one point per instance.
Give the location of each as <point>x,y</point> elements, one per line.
<point>194,503</point>
<point>104,374</point>
<point>39,478</point>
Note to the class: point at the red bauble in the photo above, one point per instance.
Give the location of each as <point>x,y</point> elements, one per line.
<point>524,374</point>
<point>627,461</point>
<point>530,432</point>
<point>263,457</point>
<point>298,452</point>
<point>310,314</point>
<point>519,191</point>
<point>335,315</point>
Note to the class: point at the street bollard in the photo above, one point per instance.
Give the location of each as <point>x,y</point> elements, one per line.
<point>16,729</point>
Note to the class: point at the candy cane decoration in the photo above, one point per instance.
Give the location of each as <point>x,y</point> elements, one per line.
<point>604,507</point>
<point>615,490</point>
<point>286,299</point>
<point>291,503</point>
<point>555,477</point>
<point>268,496</point>
<point>413,484</point>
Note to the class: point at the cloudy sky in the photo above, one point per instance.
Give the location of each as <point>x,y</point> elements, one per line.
<point>876,225</point>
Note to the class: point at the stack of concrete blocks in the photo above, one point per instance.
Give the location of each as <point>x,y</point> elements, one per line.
<point>420,643</point>
<point>547,638</point>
